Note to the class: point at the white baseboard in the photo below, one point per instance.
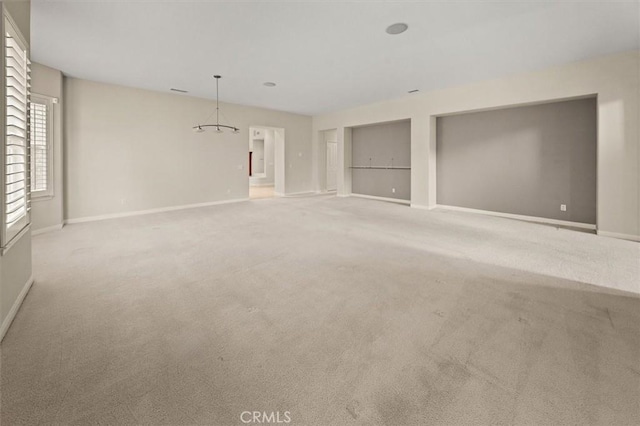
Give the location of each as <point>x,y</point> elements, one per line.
<point>293,194</point>
<point>160,210</point>
<point>45,230</point>
<point>260,185</point>
<point>421,207</point>
<point>519,217</point>
<point>373,197</point>
<point>14,309</point>
<point>629,237</point>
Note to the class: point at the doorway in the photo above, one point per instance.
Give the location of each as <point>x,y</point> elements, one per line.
<point>266,162</point>
<point>332,165</point>
<point>328,169</point>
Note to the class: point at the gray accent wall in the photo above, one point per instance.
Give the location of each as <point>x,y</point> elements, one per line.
<point>382,145</point>
<point>523,160</point>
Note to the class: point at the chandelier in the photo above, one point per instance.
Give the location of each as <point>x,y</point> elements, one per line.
<point>218,127</point>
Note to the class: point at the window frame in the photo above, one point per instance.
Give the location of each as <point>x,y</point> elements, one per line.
<point>47,193</point>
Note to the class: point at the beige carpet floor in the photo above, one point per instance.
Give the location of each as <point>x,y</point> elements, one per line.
<point>337,311</point>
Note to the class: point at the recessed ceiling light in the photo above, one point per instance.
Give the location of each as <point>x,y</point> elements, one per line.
<point>398,28</point>
<point>269,84</point>
<point>178,90</point>
<point>413,91</point>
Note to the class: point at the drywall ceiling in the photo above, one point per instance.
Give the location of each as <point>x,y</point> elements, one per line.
<point>323,56</point>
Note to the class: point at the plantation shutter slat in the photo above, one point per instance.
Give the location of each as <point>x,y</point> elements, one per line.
<point>17,136</point>
<point>39,147</point>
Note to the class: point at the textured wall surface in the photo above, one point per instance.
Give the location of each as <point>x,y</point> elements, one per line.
<point>130,150</point>
<point>614,79</point>
<point>382,145</point>
<point>526,160</point>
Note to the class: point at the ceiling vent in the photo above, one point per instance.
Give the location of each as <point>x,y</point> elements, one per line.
<point>398,28</point>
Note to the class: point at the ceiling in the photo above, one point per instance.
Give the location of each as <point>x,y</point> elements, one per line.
<point>323,56</point>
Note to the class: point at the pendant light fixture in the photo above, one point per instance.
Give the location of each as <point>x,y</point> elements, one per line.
<point>218,127</point>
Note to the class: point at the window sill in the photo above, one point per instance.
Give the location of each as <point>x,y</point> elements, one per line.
<point>36,198</point>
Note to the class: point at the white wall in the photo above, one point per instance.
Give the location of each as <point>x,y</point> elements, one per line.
<point>15,279</point>
<point>20,11</point>
<point>48,213</point>
<point>269,155</point>
<point>131,150</point>
<point>615,79</point>
<point>280,155</point>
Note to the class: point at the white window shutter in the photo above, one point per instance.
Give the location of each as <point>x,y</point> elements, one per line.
<point>17,149</point>
<point>39,116</point>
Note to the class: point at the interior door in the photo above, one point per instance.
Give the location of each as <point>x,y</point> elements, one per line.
<point>332,166</point>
